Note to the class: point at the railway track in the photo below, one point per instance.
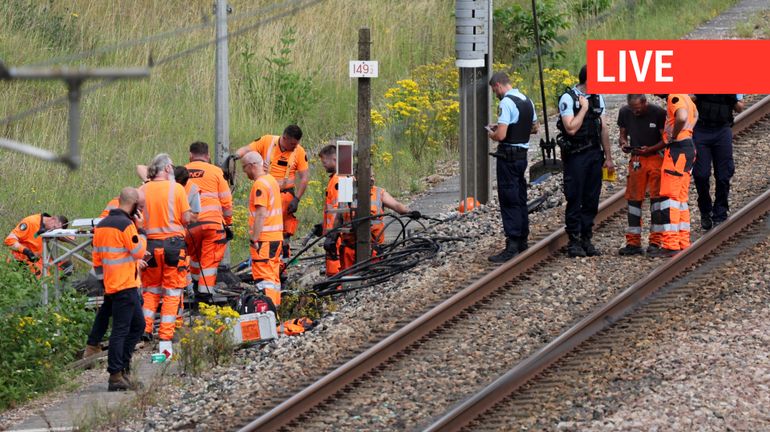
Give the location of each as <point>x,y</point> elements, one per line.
<point>389,359</point>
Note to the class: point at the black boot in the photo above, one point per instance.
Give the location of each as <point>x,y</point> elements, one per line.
<point>522,243</point>
<point>588,247</point>
<point>575,247</point>
<point>510,251</point>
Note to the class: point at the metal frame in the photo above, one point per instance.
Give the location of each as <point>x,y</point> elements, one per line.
<point>54,252</point>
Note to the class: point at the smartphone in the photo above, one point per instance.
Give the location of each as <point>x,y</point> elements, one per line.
<point>489,128</point>
<point>135,210</point>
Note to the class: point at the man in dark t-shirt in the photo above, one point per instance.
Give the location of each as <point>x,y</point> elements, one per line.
<point>641,134</point>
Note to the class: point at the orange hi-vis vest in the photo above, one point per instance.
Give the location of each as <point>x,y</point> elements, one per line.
<point>112,205</point>
<point>377,226</point>
<point>673,103</point>
<point>216,198</point>
<point>283,164</point>
<point>117,246</point>
<point>332,196</point>
<point>165,203</point>
<point>27,235</point>
<point>265,193</point>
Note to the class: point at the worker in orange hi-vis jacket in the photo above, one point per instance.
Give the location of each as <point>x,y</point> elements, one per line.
<point>118,255</point>
<point>265,227</point>
<point>166,213</point>
<point>207,238</point>
<point>286,160</point>
<point>328,157</point>
<point>25,242</point>
<point>678,160</point>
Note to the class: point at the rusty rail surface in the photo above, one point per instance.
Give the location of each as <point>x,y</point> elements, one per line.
<point>622,304</point>
<point>292,408</point>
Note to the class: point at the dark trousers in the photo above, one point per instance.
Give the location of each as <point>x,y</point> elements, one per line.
<point>127,328</point>
<point>582,186</point>
<point>101,322</point>
<point>713,146</point>
<point>512,193</point>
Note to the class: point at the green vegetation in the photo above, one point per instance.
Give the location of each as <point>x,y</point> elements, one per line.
<point>36,342</point>
<point>756,27</point>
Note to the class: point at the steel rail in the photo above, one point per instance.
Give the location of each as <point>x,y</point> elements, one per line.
<point>465,412</point>
<point>295,406</point>
<point>459,416</point>
<point>300,403</point>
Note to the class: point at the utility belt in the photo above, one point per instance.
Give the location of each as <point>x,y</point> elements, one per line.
<point>289,190</point>
<point>510,153</point>
<point>174,251</point>
<point>570,147</point>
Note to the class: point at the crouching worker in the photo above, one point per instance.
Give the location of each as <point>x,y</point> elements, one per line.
<point>25,242</point>
<point>380,199</point>
<point>265,227</point>
<point>118,252</point>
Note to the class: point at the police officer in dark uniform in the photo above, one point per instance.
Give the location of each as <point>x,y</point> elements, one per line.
<point>713,137</point>
<point>585,147</point>
<point>516,122</point>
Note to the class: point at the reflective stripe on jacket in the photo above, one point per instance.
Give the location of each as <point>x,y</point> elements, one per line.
<point>117,246</point>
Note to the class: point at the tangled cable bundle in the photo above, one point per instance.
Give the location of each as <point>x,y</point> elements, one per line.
<point>398,256</point>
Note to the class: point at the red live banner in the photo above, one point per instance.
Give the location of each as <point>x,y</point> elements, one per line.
<point>678,66</point>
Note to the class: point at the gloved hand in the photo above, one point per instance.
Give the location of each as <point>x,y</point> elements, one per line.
<point>330,246</point>
<point>318,230</point>
<point>293,205</point>
<point>229,232</point>
<point>414,214</point>
<point>30,255</point>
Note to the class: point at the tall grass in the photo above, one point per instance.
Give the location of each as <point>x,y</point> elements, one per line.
<point>127,123</point>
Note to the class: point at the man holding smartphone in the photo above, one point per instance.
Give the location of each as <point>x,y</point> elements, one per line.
<point>641,134</point>
<point>516,121</point>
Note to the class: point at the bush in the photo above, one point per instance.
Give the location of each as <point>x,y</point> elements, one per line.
<point>208,342</point>
<point>37,342</point>
<point>514,33</point>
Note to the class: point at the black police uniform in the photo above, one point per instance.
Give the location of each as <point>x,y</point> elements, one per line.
<point>713,137</point>
<point>583,158</point>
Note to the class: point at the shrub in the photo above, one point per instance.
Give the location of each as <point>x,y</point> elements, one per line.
<point>514,32</point>
<point>208,342</point>
<point>37,342</point>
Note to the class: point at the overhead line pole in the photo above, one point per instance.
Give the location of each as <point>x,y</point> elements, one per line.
<point>222,96</point>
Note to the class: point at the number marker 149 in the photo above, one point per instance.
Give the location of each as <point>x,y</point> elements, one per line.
<point>363,69</point>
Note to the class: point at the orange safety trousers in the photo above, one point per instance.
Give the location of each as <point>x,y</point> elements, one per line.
<point>643,177</point>
<point>206,248</point>
<point>333,265</point>
<point>347,252</point>
<point>164,280</point>
<point>677,165</point>
<point>290,221</point>
<point>266,268</point>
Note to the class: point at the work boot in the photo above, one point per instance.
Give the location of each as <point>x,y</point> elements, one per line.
<point>575,247</point>
<point>91,350</point>
<point>147,337</point>
<point>629,250</point>
<point>522,243</point>
<point>133,384</point>
<point>588,247</point>
<point>662,253</point>
<point>117,382</point>
<point>705,221</point>
<point>510,251</point>
<point>652,248</point>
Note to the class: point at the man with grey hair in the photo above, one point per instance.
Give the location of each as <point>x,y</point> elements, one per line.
<point>516,121</point>
<point>166,214</point>
<point>265,227</point>
<point>641,134</point>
